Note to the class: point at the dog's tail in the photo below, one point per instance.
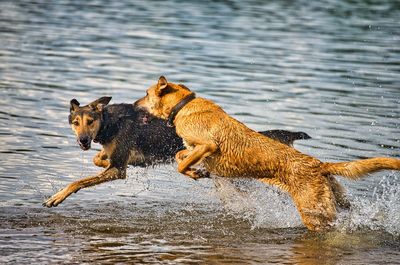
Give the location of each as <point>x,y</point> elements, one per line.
<point>358,168</point>
<point>286,137</point>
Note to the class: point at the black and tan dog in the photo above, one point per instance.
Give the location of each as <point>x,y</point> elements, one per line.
<point>129,137</point>
<point>227,148</point>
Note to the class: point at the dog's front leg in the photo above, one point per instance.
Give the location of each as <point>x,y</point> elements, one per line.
<point>101,159</point>
<point>196,174</point>
<point>109,174</point>
<point>186,159</point>
<point>181,155</point>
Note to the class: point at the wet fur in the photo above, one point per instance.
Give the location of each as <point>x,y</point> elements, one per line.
<point>128,136</point>
<point>228,148</point>
<point>125,140</point>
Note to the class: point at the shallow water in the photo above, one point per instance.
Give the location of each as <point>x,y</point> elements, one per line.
<point>329,68</point>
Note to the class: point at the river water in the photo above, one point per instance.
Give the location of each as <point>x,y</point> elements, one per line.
<point>329,68</point>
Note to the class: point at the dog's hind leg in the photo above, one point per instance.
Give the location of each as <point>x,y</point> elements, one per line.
<point>109,174</point>
<point>314,199</point>
<point>101,159</point>
<point>339,193</point>
<point>316,205</point>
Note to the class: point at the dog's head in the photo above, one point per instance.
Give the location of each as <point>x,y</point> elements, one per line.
<point>86,121</point>
<point>162,97</point>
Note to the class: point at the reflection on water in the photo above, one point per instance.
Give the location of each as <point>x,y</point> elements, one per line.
<point>330,68</point>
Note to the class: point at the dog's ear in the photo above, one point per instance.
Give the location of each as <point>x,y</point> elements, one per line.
<point>74,105</point>
<point>161,85</point>
<point>99,104</point>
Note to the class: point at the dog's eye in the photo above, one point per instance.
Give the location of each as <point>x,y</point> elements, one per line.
<point>76,123</point>
<point>89,122</point>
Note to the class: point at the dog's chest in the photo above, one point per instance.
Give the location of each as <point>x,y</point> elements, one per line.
<point>135,157</point>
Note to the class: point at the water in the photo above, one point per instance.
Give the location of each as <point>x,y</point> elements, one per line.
<point>329,68</point>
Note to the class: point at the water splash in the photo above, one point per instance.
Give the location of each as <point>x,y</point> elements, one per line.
<point>380,212</point>
<point>268,207</point>
<point>261,205</point>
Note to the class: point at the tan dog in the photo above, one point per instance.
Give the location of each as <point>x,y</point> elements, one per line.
<point>226,147</point>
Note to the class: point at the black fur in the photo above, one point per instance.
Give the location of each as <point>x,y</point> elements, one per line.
<point>154,140</point>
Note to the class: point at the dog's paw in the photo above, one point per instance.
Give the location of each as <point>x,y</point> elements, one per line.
<point>202,173</point>
<point>199,174</point>
<point>54,200</point>
<point>57,198</point>
<point>196,174</point>
<point>181,155</point>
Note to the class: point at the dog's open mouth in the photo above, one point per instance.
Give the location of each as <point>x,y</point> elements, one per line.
<point>84,146</point>
<point>145,119</point>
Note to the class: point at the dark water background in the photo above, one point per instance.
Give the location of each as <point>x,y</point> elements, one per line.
<point>329,68</point>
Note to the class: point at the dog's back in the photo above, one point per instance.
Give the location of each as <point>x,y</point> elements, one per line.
<point>149,143</point>
<point>253,154</point>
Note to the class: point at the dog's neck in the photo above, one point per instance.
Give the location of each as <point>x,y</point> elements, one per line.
<point>178,107</point>
<point>106,131</point>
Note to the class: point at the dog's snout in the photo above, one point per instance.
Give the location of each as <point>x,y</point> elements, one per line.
<point>84,140</point>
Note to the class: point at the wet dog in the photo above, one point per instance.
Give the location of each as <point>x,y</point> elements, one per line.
<point>228,148</point>
<point>128,136</point>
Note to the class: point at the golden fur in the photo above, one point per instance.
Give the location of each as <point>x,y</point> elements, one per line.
<point>226,147</point>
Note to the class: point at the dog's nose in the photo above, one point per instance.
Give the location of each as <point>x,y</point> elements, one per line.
<point>84,140</point>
